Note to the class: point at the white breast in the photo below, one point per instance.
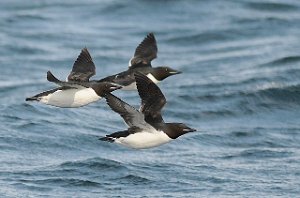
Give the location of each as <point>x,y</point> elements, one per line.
<point>151,77</point>
<point>71,97</point>
<point>132,86</point>
<point>144,139</point>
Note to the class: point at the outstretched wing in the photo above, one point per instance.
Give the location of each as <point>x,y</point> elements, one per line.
<point>153,99</point>
<point>52,78</point>
<point>145,52</point>
<point>83,67</point>
<point>131,116</point>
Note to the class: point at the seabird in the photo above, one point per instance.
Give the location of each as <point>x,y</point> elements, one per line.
<point>146,127</point>
<point>145,52</point>
<point>78,90</point>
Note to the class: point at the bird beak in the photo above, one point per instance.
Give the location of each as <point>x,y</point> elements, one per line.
<point>114,87</point>
<point>174,72</point>
<point>189,130</point>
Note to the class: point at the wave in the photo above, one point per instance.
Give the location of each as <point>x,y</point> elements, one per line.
<point>274,92</point>
<point>222,104</point>
<point>65,182</point>
<point>278,95</point>
<point>271,6</point>
<point>204,37</point>
<point>134,179</point>
<point>259,154</point>
<point>94,164</point>
<point>283,61</point>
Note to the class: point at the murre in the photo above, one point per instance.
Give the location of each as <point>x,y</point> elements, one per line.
<point>145,52</point>
<point>78,90</point>
<point>146,127</point>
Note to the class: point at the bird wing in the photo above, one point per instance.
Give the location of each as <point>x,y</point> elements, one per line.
<point>131,116</point>
<point>83,68</point>
<point>145,52</point>
<point>124,78</point>
<point>152,98</point>
<point>74,84</point>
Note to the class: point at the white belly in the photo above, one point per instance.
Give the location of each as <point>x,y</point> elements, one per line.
<point>71,97</point>
<point>142,140</point>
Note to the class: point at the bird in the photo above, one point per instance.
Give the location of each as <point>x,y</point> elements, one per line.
<point>145,52</point>
<point>78,90</point>
<point>146,127</point>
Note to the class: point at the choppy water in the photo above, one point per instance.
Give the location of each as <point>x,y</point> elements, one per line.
<point>240,88</point>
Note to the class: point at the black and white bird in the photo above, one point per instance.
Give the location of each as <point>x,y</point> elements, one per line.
<point>146,127</point>
<point>145,52</point>
<point>78,90</point>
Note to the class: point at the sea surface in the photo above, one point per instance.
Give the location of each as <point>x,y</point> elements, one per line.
<point>240,88</point>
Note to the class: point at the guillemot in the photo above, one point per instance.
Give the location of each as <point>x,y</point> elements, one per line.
<point>146,127</point>
<point>145,52</point>
<point>78,90</point>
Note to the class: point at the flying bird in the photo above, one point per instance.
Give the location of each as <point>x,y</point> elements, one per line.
<point>145,52</point>
<point>78,90</point>
<point>146,127</point>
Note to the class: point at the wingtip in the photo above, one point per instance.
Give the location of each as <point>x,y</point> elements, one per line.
<point>85,50</point>
<point>151,35</point>
<point>84,56</point>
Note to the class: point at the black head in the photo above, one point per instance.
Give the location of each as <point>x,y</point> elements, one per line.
<point>105,87</point>
<point>160,73</point>
<point>174,130</point>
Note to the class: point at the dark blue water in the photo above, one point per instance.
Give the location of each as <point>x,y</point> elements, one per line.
<point>240,88</point>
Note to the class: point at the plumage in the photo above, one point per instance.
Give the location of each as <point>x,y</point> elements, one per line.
<point>144,139</point>
<point>83,68</point>
<point>146,127</point>
<point>153,99</point>
<point>72,97</point>
<point>131,116</point>
<point>145,52</point>
<point>78,91</point>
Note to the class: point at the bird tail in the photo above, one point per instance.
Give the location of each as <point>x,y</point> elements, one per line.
<point>107,139</point>
<point>52,78</point>
<point>33,98</point>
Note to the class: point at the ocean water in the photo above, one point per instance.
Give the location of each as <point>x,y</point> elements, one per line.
<point>240,88</point>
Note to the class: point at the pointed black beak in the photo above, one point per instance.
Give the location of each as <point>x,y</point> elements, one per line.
<point>174,72</point>
<point>189,130</point>
<point>114,87</point>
